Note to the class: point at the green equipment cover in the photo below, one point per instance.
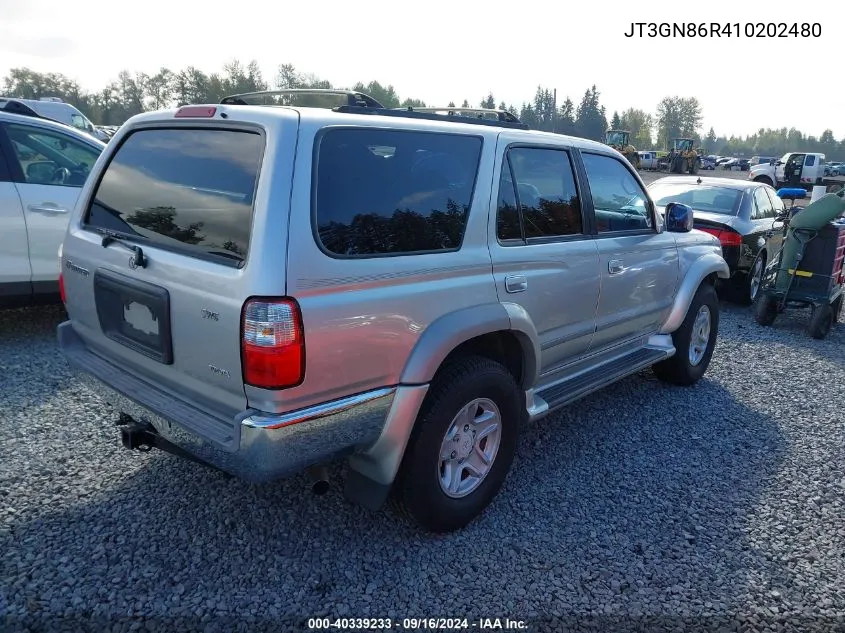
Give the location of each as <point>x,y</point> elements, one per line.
<point>814,217</point>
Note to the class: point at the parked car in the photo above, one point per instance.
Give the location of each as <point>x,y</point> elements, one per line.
<point>649,160</point>
<point>274,288</point>
<point>55,109</point>
<point>834,168</point>
<point>707,163</point>
<point>724,159</point>
<point>43,166</point>
<point>741,214</point>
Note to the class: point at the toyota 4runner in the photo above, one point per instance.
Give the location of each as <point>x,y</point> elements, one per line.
<point>268,289</point>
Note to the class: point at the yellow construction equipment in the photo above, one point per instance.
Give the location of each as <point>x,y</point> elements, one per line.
<point>618,140</point>
<point>682,156</point>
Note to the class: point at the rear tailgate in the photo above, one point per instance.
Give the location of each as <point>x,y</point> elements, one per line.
<point>194,195</point>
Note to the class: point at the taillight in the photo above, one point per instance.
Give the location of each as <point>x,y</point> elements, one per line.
<point>272,343</point>
<point>730,238</point>
<point>62,288</point>
<point>726,237</point>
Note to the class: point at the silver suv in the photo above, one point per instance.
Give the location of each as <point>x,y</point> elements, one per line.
<point>268,289</point>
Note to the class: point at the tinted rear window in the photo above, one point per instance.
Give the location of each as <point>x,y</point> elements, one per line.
<point>699,197</point>
<point>382,192</point>
<point>186,189</point>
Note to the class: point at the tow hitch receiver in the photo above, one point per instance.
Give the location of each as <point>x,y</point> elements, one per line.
<point>142,436</point>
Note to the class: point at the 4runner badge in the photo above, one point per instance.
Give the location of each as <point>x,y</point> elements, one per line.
<point>77,269</point>
<point>219,372</point>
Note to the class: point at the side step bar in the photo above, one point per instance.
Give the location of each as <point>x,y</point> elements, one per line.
<point>582,384</point>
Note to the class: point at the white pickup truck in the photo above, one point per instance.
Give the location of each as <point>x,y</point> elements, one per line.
<point>648,160</point>
<point>809,164</point>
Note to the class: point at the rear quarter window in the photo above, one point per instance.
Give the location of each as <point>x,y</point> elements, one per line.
<point>393,192</point>
<point>190,190</point>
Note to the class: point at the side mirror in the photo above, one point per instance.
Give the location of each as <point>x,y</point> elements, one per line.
<point>41,172</point>
<point>780,162</point>
<point>678,218</point>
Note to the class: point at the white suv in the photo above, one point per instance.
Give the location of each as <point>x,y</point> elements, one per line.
<point>43,166</point>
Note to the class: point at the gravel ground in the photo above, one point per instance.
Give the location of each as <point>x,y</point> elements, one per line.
<point>641,506</point>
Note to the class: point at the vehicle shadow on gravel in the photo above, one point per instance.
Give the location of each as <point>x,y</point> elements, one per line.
<point>635,499</point>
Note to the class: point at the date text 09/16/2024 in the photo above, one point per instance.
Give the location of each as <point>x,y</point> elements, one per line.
<point>728,29</point>
<point>415,624</point>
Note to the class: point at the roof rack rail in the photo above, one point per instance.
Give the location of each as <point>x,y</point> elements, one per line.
<point>15,106</point>
<point>502,115</point>
<point>503,119</point>
<point>353,97</point>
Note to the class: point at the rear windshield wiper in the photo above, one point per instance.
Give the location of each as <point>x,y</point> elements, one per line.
<point>138,259</point>
<point>227,254</point>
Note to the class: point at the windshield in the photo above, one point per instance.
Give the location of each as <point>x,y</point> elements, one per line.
<point>701,198</point>
<point>616,138</point>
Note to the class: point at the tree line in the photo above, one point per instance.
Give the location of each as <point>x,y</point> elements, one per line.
<point>674,116</point>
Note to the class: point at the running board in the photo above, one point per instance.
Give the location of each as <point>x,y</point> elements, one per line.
<point>580,385</point>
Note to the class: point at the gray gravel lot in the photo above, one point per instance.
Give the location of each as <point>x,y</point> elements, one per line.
<point>721,503</point>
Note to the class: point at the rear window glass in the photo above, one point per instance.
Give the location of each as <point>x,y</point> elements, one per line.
<point>186,189</point>
<point>381,192</point>
<point>701,198</point>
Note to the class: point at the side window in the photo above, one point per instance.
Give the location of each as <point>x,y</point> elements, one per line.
<point>777,204</point>
<point>540,183</point>
<point>79,121</point>
<point>810,161</point>
<point>619,201</point>
<point>50,158</point>
<point>391,192</point>
<point>763,204</point>
<point>5,175</point>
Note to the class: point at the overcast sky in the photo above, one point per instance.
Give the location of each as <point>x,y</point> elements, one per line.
<point>439,51</point>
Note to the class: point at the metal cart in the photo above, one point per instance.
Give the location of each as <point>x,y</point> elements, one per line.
<point>808,271</point>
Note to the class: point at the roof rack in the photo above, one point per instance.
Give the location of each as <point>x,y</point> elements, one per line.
<point>360,103</point>
<point>435,114</point>
<point>353,97</point>
<point>501,115</point>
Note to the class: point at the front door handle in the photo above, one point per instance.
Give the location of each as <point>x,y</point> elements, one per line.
<point>50,208</point>
<point>614,266</point>
<point>516,283</point>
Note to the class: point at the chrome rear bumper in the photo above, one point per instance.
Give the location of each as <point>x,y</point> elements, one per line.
<point>253,446</point>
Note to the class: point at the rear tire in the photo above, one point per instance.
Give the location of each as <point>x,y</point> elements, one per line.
<point>837,310</point>
<point>820,321</point>
<point>752,283</point>
<point>694,341</point>
<point>766,310</point>
<point>476,388</point>
<point>677,165</point>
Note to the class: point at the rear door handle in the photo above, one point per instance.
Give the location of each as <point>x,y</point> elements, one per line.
<point>516,283</point>
<point>614,266</point>
<point>50,208</point>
